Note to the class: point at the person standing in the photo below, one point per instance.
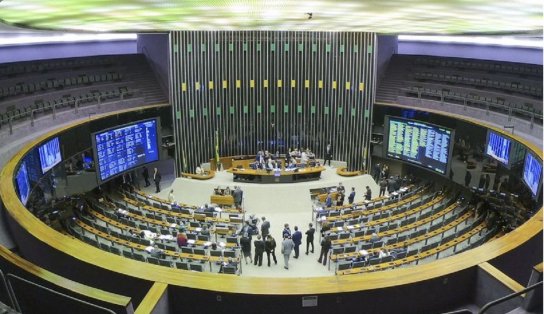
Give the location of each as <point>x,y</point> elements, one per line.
<point>481,182</point>
<point>328,200</point>
<point>238,196</point>
<point>286,231</point>
<point>325,247</point>
<point>328,154</point>
<point>286,248</point>
<point>376,172</point>
<point>245,244</point>
<point>351,196</point>
<point>270,248</point>
<point>487,181</point>
<point>145,174</point>
<point>297,239</point>
<point>157,178</point>
<point>310,238</point>
<point>368,194</point>
<point>265,227</point>
<point>383,185</point>
<point>468,178</point>
<point>259,251</point>
<point>171,199</point>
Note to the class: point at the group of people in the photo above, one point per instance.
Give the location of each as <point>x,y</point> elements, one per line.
<point>237,194</point>
<point>156,178</point>
<point>266,243</point>
<point>340,196</point>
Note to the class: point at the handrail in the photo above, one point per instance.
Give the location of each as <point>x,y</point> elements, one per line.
<point>508,297</point>
<point>53,107</point>
<point>465,99</point>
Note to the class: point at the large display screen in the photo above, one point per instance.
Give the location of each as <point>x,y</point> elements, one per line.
<point>123,148</point>
<point>532,173</point>
<point>49,154</point>
<point>23,184</point>
<point>424,144</point>
<point>498,147</point>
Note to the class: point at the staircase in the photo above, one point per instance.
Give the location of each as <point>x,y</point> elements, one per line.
<point>393,80</point>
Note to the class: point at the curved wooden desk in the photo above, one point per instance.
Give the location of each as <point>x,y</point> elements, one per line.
<point>36,241</point>
<point>264,176</point>
<point>206,176</point>
<point>342,171</point>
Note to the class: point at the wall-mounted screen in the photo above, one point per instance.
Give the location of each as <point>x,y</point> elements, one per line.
<point>49,154</point>
<point>23,184</point>
<point>532,173</point>
<point>125,147</point>
<point>498,147</point>
<point>423,144</point>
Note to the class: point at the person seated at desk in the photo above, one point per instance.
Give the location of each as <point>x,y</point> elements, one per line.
<point>217,191</point>
<point>148,235</point>
<point>122,213</point>
<point>133,233</point>
<point>199,170</point>
<point>304,158</point>
<point>228,263</point>
<point>182,239</point>
<point>292,166</point>
<point>205,230</point>
<point>155,252</point>
<point>374,238</point>
<point>383,253</point>
<point>227,191</point>
<point>206,209</point>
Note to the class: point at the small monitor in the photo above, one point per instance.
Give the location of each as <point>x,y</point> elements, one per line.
<point>23,183</point>
<point>498,147</point>
<point>532,173</point>
<point>49,154</point>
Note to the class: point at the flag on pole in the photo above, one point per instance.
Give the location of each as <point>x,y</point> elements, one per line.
<point>217,150</point>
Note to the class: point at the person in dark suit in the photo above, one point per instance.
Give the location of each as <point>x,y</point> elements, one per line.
<point>481,182</point>
<point>351,196</point>
<point>270,248</point>
<point>297,239</point>
<point>265,227</point>
<point>328,200</point>
<point>157,178</point>
<point>468,177</point>
<point>259,251</point>
<point>145,174</point>
<point>368,194</point>
<point>325,247</point>
<point>238,196</point>
<point>310,238</point>
<point>383,185</point>
<point>487,181</point>
<point>328,154</point>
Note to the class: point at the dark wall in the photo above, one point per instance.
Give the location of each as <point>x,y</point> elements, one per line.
<point>519,262</point>
<point>430,296</point>
<point>272,90</point>
<point>155,48</point>
<point>387,46</point>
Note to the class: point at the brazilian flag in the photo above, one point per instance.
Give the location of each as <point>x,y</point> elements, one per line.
<point>217,150</point>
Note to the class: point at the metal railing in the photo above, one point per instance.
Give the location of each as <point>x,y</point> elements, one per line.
<point>488,106</point>
<point>508,297</point>
<point>54,107</point>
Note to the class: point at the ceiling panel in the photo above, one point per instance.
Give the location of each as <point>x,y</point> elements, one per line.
<point>384,16</point>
